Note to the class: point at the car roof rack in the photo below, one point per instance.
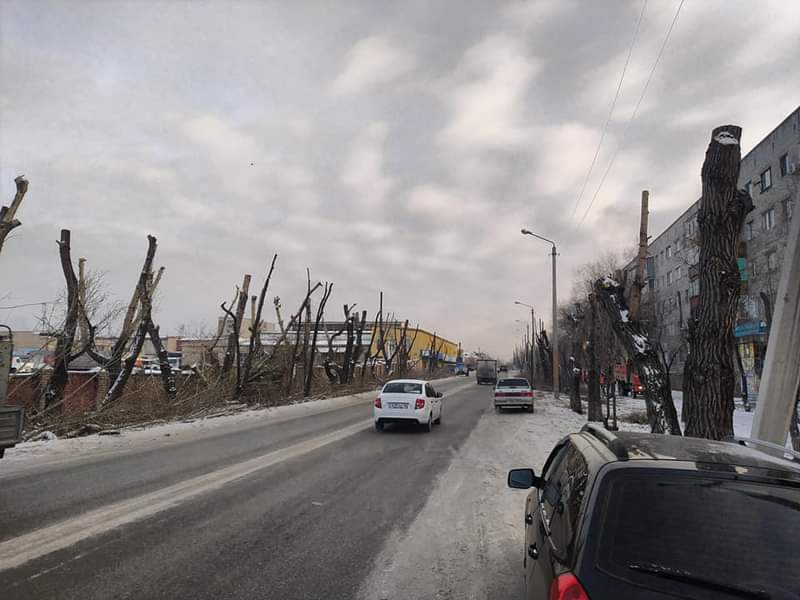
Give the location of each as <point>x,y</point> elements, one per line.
<point>775,450</point>
<point>612,442</point>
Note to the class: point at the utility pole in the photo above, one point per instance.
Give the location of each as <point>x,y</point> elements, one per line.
<point>556,359</point>
<point>781,378</point>
<point>533,324</point>
<point>638,282</point>
<point>555,310</point>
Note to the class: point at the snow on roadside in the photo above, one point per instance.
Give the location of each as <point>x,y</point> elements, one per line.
<point>467,541</point>
<point>742,420</point>
<point>162,434</point>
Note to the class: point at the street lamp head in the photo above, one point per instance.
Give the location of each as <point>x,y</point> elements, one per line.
<point>526,232</point>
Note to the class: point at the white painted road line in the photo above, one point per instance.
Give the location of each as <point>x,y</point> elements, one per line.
<point>19,550</point>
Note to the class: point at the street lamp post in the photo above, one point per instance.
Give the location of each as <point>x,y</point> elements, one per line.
<point>555,310</point>
<point>533,328</point>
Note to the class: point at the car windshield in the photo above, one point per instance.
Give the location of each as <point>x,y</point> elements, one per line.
<point>402,387</point>
<point>513,383</point>
<point>670,531</point>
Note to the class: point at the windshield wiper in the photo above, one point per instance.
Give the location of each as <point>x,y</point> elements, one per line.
<point>688,577</point>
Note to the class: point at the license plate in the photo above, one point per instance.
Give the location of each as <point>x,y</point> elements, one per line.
<point>397,405</point>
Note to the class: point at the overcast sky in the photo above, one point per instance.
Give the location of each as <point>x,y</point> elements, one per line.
<point>396,146</point>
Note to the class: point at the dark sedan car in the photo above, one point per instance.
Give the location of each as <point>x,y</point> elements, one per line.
<point>637,516</point>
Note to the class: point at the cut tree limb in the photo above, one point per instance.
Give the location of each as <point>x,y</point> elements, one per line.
<point>8,220</point>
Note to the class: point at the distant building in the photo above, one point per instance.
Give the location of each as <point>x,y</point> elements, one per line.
<point>771,172</point>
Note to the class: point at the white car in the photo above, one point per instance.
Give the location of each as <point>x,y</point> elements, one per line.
<point>513,392</point>
<point>408,401</point>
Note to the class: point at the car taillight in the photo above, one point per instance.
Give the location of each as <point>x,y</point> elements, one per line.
<point>378,402</point>
<point>420,403</point>
<point>528,394</point>
<point>567,587</point>
<point>499,394</point>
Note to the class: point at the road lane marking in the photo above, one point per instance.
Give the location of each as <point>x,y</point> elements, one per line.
<point>35,544</point>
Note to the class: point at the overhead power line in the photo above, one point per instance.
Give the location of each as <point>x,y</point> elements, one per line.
<point>24,305</point>
<point>633,114</point>
<point>611,110</point>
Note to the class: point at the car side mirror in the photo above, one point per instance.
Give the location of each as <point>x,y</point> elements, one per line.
<point>523,479</point>
<point>439,394</point>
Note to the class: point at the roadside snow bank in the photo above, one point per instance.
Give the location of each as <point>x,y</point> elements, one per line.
<point>152,436</point>
<point>467,541</point>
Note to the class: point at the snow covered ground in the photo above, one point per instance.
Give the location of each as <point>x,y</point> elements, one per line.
<point>742,420</point>
<point>467,541</point>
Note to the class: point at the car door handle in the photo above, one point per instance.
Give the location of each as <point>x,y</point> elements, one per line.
<point>533,551</point>
<point>529,519</point>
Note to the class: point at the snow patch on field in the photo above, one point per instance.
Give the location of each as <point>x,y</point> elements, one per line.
<point>467,541</point>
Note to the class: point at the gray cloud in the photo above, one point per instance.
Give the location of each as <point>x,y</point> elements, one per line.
<point>396,146</point>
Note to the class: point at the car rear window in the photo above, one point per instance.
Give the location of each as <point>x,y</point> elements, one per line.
<point>402,387</point>
<point>669,531</point>
<point>513,383</point>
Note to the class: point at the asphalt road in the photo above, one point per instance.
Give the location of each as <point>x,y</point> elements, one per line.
<point>309,525</point>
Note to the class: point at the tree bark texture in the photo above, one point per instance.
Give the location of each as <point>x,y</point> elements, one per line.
<point>594,401</point>
<point>709,372</point>
<point>661,412</point>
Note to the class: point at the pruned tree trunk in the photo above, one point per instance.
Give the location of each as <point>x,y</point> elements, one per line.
<point>737,354</point>
<point>118,387</point>
<point>257,307</point>
<point>232,355</point>
<point>167,376</point>
<point>661,412</point>
<point>8,214</point>
<point>594,400</point>
<point>232,348</point>
<point>309,374</point>
<point>359,345</point>
<point>114,362</point>
<point>709,371</point>
<point>54,392</point>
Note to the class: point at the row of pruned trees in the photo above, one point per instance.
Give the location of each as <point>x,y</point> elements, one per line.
<point>620,324</point>
<point>238,358</point>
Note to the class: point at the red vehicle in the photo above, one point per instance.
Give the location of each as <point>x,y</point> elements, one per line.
<point>632,383</point>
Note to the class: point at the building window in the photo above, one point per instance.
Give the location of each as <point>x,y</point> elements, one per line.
<point>768,219</point>
<point>788,209</point>
<point>691,226</point>
<point>677,273</point>
<point>784,162</point>
<point>750,188</point>
<point>669,251</point>
<point>766,180</point>
<point>748,231</point>
<point>754,267</point>
<point>670,277</point>
<point>772,261</point>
